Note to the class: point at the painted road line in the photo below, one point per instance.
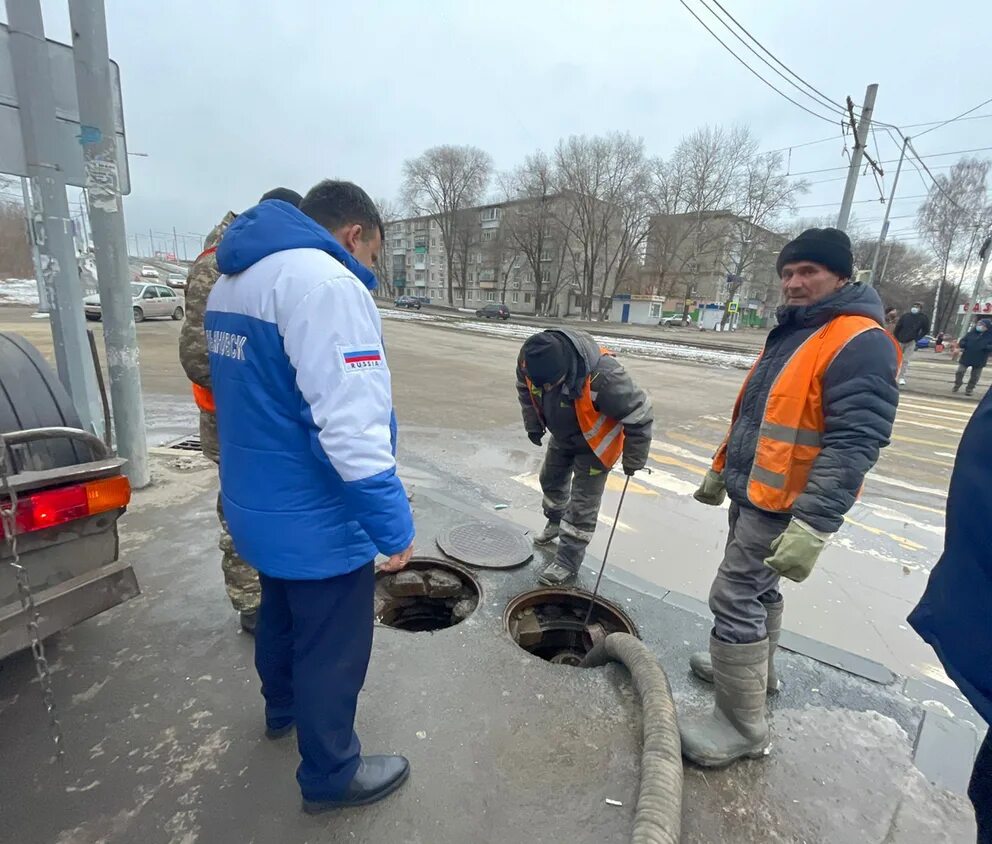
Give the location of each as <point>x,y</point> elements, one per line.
<point>915,441</point>
<point>940,512</point>
<point>923,490</point>
<point>954,408</point>
<point>904,541</point>
<point>682,452</point>
<point>674,461</point>
<point>936,414</point>
<point>899,454</point>
<point>883,511</point>
<point>902,420</point>
<point>669,482</point>
<point>685,438</point>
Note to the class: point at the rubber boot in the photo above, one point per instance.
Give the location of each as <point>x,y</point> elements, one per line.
<point>549,534</point>
<point>736,727</point>
<point>702,665</point>
<point>555,574</point>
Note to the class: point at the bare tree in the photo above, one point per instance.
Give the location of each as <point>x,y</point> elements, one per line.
<point>441,182</point>
<point>702,177</point>
<point>15,248</point>
<point>950,220</point>
<point>595,177</point>
<point>464,236</point>
<point>389,211</point>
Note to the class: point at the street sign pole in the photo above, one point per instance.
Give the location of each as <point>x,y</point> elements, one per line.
<point>33,80</point>
<point>97,135</point>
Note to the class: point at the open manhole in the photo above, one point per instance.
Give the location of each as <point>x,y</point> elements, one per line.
<point>427,595</point>
<point>550,623</point>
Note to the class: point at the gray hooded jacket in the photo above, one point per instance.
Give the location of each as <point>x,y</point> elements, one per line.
<point>616,395</point>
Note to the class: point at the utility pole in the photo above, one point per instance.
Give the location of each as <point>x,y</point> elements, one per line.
<point>175,243</point>
<point>52,224</point>
<point>93,89</point>
<point>151,244</point>
<point>39,277</point>
<point>860,141</point>
<point>885,263</point>
<point>983,253</point>
<point>137,247</point>
<point>888,210</point>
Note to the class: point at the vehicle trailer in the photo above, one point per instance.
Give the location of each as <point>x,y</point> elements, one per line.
<point>70,491</point>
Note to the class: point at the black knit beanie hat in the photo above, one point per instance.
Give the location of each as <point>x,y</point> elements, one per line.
<point>829,247</point>
<point>285,194</point>
<point>545,357</point>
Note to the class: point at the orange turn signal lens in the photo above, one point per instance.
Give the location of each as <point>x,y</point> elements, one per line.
<point>108,494</point>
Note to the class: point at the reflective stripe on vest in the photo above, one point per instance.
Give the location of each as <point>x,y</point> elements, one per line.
<point>603,434</point>
<point>204,399</point>
<point>791,434</point>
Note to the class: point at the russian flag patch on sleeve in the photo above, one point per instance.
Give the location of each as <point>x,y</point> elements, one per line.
<point>358,358</point>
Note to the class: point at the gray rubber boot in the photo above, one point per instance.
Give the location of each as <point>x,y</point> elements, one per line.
<point>555,574</point>
<point>549,534</point>
<point>702,666</point>
<point>736,727</point>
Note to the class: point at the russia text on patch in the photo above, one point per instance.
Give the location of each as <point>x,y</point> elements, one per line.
<point>358,358</point>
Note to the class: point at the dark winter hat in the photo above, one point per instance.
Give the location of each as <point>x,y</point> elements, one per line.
<point>829,247</point>
<point>545,357</point>
<point>285,194</point>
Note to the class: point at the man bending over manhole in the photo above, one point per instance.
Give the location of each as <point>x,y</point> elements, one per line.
<point>596,415</point>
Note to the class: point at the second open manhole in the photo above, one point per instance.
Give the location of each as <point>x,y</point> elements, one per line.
<point>427,595</point>
<point>550,623</point>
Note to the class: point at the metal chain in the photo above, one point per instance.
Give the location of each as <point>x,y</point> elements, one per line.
<point>8,516</point>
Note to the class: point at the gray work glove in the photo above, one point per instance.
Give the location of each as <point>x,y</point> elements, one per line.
<point>712,490</point>
<point>796,550</point>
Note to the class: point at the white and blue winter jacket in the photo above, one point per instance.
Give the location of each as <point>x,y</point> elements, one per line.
<point>304,404</point>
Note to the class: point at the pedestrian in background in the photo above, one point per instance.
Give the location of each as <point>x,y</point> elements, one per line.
<point>308,469</point>
<point>891,317</point>
<point>808,424</point>
<point>909,329</point>
<point>240,579</point>
<point>953,614</point>
<point>976,346</point>
<point>570,386</point>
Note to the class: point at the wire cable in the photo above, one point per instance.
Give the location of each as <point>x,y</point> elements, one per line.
<point>953,119</point>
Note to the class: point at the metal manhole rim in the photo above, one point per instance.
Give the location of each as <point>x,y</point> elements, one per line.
<point>425,561</point>
<point>517,549</point>
<point>603,603</point>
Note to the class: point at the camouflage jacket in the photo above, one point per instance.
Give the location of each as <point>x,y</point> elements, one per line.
<point>192,340</point>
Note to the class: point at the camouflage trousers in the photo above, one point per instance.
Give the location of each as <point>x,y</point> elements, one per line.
<point>240,579</point>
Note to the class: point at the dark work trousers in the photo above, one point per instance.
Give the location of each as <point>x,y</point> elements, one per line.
<point>743,583</point>
<point>976,373</point>
<point>313,641</point>
<point>980,790</point>
<point>572,481</point>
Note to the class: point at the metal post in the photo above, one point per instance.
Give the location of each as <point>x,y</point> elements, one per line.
<point>859,146</point>
<point>983,253</point>
<point>151,244</point>
<point>137,247</point>
<point>888,210</point>
<point>93,89</point>
<point>52,224</point>
<point>39,277</point>
<point>885,263</point>
<point>175,243</point>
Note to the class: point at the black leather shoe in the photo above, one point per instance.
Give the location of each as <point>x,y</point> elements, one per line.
<point>377,777</point>
<point>279,727</point>
<point>248,621</point>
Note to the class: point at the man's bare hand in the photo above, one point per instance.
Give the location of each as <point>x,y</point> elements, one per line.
<point>397,561</point>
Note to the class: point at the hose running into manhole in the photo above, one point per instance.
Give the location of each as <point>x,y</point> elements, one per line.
<point>658,817</point>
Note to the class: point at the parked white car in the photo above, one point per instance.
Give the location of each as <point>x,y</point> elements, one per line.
<point>149,301</point>
<point>149,272</point>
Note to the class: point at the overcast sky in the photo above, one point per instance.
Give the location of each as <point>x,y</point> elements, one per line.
<point>231,97</point>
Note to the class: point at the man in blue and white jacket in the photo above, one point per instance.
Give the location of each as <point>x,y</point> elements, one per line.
<point>308,473</point>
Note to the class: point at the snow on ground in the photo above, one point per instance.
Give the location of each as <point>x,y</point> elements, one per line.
<point>627,345</point>
<point>19,291</point>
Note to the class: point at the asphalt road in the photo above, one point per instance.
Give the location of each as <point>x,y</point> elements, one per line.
<point>455,398</point>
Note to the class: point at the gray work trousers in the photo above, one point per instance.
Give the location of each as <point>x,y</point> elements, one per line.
<point>572,481</point>
<point>743,583</point>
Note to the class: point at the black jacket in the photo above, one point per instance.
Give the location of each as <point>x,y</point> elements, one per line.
<point>860,397</point>
<point>615,394</point>
<point>976,346</point>
<point>911,327</point>
<point>953,615</point>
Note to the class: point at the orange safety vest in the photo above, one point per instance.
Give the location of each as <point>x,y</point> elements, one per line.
<point>603,434</point>
<point>792,429</point>
<point>203,396</point>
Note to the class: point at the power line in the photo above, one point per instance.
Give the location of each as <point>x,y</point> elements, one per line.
<point>751,69</point>
<point>820,99</point>
<point>959,117</point>
<point>894,160</point>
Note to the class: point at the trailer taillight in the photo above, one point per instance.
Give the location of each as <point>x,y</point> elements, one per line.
<point>53,507</point>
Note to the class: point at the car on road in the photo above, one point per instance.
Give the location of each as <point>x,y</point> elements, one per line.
<point>494,311</point>
<point>71,490</point>
<point>675,321</point>
<point>148,300</point>
<point>407,302</point>
<point>149,272</point>
<point>176,281</point>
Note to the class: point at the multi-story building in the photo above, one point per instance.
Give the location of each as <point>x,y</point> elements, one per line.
<point>710,259</point>
<point>493,262</point>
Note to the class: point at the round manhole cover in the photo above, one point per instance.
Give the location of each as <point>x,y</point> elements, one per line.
<point>485,545</point>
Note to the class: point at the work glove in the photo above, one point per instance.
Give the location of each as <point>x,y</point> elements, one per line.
<point>796,550</point>
<point>536,437</point>
<point>630,466</point>
<point>712,490</point>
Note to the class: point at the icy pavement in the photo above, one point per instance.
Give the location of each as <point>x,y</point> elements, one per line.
<point>19,291</point>
<point>626,345</point>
